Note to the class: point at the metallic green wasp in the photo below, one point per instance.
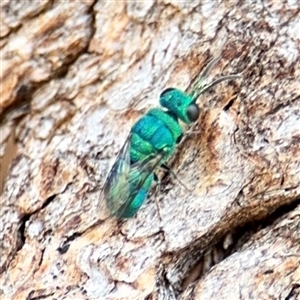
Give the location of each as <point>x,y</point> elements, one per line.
<point>151,142</point>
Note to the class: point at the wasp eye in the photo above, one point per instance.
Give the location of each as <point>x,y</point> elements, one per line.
<point>166,91</point>
<point>192,112</point>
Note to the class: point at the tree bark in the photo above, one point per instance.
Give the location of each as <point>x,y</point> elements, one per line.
<point>76,76</point>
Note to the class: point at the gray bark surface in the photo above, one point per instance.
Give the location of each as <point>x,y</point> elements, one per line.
<point>75,76</point>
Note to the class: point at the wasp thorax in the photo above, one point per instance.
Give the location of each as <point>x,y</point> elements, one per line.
<point>179,104</point>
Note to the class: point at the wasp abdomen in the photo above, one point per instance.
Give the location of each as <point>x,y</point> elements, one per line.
<point>136,203</point>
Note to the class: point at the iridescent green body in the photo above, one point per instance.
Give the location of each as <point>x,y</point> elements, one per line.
<point>151,142</point>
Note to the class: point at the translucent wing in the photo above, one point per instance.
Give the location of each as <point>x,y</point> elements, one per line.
<point>117,179</point>
<point>125,180</point>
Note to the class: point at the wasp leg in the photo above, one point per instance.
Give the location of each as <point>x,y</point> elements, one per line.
<point>170,171</point>
<point>191,132</point>
<point>158,183</point>
<point>157,190</point>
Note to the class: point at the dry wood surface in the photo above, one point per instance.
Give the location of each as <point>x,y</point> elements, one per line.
<point>75,76</point>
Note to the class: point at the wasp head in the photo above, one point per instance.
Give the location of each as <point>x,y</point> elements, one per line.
<point>180,105</point>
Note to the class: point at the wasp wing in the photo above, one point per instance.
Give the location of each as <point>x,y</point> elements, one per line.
<point>139,174</point>
<point>117,179</point>
<point>125,179</point>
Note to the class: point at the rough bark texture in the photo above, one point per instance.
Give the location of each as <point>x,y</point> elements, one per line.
<point>75,76</point>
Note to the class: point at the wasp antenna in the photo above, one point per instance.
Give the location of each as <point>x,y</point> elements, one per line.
<point>207,69</point>
<point>205,88</point>
<point>199,83</point>
<point>200,88</point>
